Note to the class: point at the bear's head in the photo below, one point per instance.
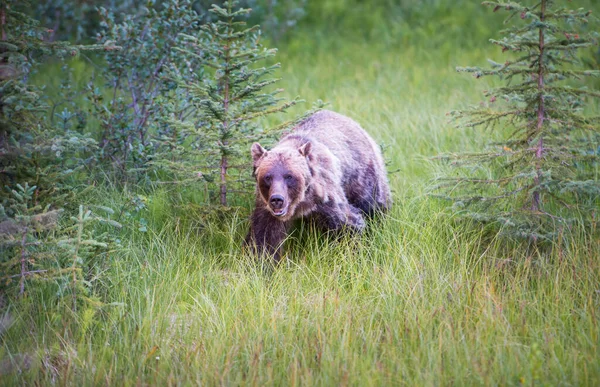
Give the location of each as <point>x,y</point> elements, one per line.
<point>282,177</point>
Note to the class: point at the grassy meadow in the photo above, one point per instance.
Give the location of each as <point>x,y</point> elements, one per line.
<point>419,299</point>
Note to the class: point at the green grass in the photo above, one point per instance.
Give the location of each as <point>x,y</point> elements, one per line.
<point>417,300</point>
<point>414,302</point>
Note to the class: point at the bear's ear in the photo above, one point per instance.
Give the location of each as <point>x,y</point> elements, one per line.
<point>257,151</point>
<point>305,149</point>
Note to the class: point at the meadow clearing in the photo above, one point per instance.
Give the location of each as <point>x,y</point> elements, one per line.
<point>419,299</point>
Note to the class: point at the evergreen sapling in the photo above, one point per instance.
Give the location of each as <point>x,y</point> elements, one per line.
<point>542,176</point>
<point>32,150</point>
<point>37,158</point>
<point>231,94</point>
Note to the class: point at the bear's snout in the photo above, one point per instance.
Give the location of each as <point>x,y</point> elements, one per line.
<point>277,203</point>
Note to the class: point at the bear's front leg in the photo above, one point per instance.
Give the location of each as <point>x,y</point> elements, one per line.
<point>266,234</point>
<point>334,216</point>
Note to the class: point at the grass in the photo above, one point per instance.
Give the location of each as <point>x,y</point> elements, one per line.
<point>417,300</point>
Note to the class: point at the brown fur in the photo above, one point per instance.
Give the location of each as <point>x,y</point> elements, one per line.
<point>327,168</point>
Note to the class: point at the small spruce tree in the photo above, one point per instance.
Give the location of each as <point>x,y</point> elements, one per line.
<point>22,240</point>
<point>34,249</point>
<point>37,160</point>
<point>31,149</point>
<point>228,98</point>
<point>543,175</point>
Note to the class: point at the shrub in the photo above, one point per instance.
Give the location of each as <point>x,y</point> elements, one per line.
<point>133,98</point>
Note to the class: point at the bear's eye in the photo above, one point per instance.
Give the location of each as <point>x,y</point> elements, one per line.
<point>268,178</point>
<point>288,177</point>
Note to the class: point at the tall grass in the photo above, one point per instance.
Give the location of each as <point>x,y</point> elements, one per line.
<point>418,300</point>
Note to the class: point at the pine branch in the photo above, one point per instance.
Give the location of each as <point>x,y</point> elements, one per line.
<point>572,91</point>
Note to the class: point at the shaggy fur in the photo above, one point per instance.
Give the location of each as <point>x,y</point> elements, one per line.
<point>327,168</point>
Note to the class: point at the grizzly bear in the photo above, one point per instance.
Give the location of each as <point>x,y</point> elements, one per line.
<point>328,168</point>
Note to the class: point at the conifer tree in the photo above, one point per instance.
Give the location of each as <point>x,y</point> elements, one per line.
<point>36,159</point>
<point>228,98</point>
<point>542,176</point>
<point>34,249</point>
<point>31,150</point>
